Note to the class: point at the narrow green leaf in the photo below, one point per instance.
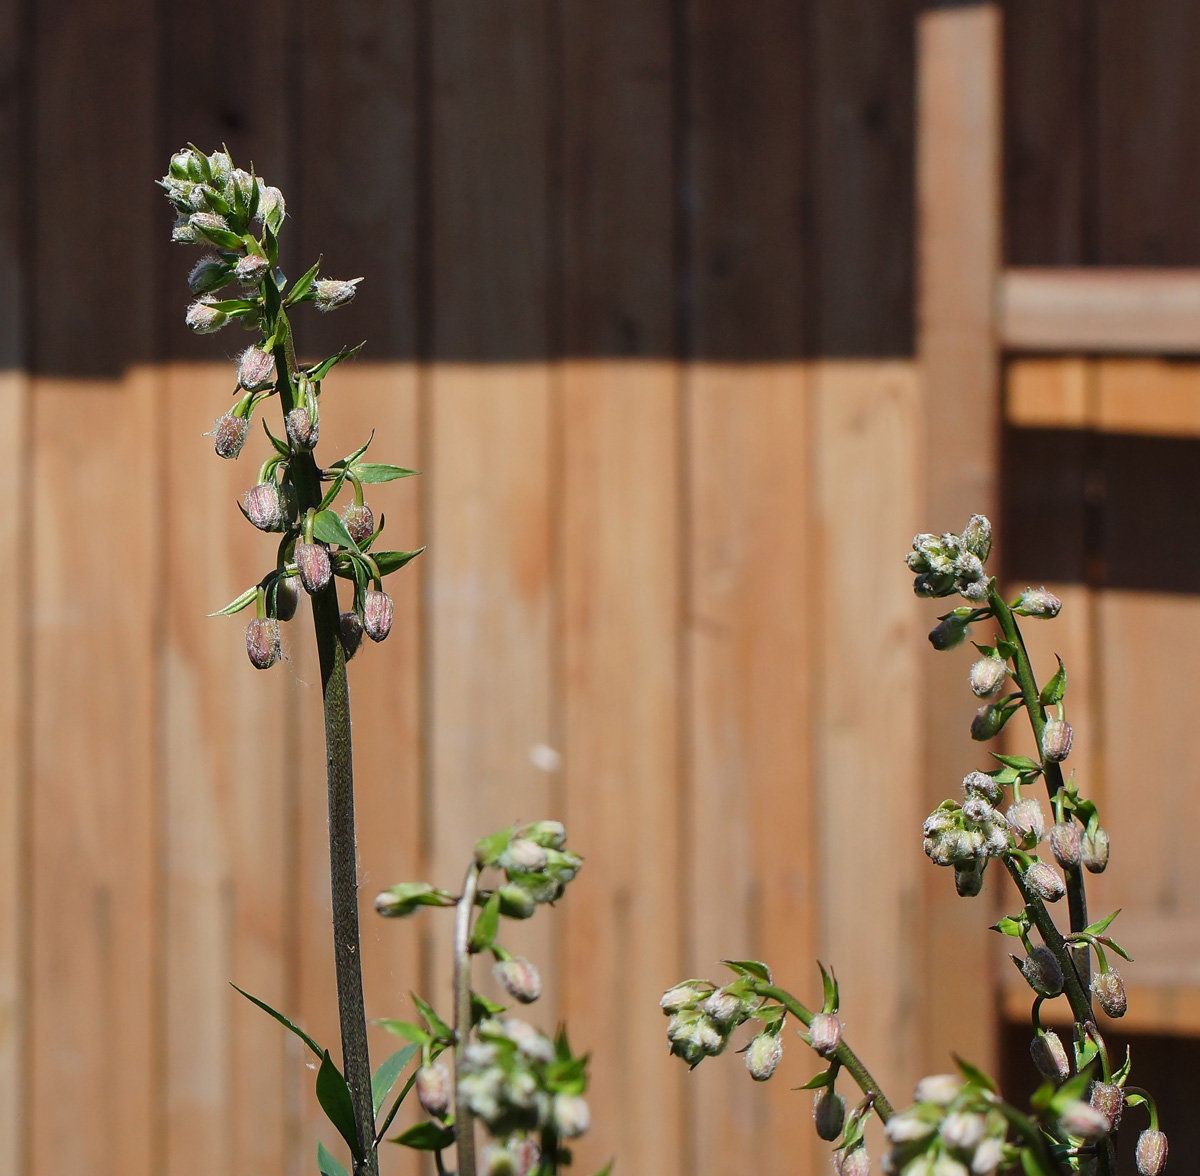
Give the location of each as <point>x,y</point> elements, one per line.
<point>1103,925</point>
<point>816,1081</point>
<point>246,599</point>
<point>266,1008</point>
<point>302,286</point>
<point>335,488</point>
<point>1008,926</point>
<point>334,1096</point>
<point>487,924</point>
<point>221,238</point>
<point>1113,945</point>
<point>327,1165</point>
<point>328,527</point>
<point>425,1137</point>
<point>606,1170</point>
<point>1006,649</point>
<point>1020,763</point>
<point>405,1029</point>
<point>392,561</point>
<point>974,1075</point>
<point>437,1026</point>
<point>389,1071</point>
<point>750,968</point>
<point>481,1008</point>
<point>1054,690</point>
<point>829,988</point>
<point>322,369</point>
<point>281,447</point>
<point>370,471</point>
<point>487,849</point>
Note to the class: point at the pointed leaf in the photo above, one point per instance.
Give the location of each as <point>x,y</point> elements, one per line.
<point>405,1029</point>
<point>281,447</point>
<point>1113,945</point>
<point>266,1008</point>
<point>335,488</point>
<point>329,528</point>
<point>437,1026</point>
<point>385,1077</point>
<point>1022,763</point>
<point>606,1170</point>
<point>369,471</point>
<point>824,1078</point>
<point>322,369</point>
<point>829,988</point>
<point>1054,690</point>
<point>327,1165</point>
<point>974,1075</point>
<point>426,1137</point>
<point>334,1096</point>
<point>392,561</point>
<point>487,924</point>
<point>750,968</point>
<point>487,849</point>
<point>1008,926</point>
<point>302,286</point>
<point>236,605</point>
<point>481,1008</point>
<point>1103,925</point>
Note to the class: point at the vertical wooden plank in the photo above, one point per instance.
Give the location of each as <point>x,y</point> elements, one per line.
<point>752,869</point>
<point>620,560</point>
<point>958,227</point>
<point>868,458</point>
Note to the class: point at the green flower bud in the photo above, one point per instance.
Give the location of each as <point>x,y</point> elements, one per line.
<point>547,834</point>
<point>1109,1100</point>
<point>209,273</point>
<point>987,676</point>
<point>330,293</point>
<point>1042,880</point>
<point>968,879</point>
<point>1056,740</point>
<point>826,1034</point>
<point>1050,1057</point>
<point>1109,990</point>
<point>1151,1153</point>
<point>977,536</point>
<point>182,232</point>
<point>988,722</point>
<point>948,633</point>
<point>262,642</point>
<point>516,902</point>
<point>271,208</point>
<point>1065,842</point>
<point>685,996</point>
<point>287,597</point>
<point>1041,971</point>
<point>1037,602</point>
<point>1082,1121</point>
<point>762,1056</point>
<point>205,224</point>
<point>1094,850</point>
<point>829,1113</point>
<point>929,585</point>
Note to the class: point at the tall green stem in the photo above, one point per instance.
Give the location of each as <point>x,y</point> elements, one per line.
<point>464,1121</point>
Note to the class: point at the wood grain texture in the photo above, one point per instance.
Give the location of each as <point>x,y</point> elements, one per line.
<point>958,219</point>
<point>1047,393</point>
<point>752,853</point>
<point>620,565</point>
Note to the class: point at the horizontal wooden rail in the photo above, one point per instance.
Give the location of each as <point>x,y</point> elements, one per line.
<point>1141,311</point>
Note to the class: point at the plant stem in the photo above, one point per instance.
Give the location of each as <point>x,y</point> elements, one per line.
<point>844,1054</point>
<point>339,769</point>
<point>464,1121</point>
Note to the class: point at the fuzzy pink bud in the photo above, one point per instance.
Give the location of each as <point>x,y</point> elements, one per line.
<point>204,318</point>
<point>987,676</point>
<point>1151,1153</point>
<point>1050,1057</point>
<point>302,429</point>
<point>377,614</point>
<point>1066,839</point>
<point>433,1090</point>
<point>229,434</point>
<point>262,642</point>
<point>312,562</point>
<point>519,978</point>
<point>1037,602</point>
<point>350,630</point>
<point>1043,881</point>
<point>1109,990</point>
<point>329,293</point>
<point>264,506</point>
<point>1094,850</point>
<point>826,1034</point>
<point>852,1163</point>
<point>1056,740</point>
<point>1109,1099</point>
<point>359,521</point>
<point>1042,972</point>
<point>251,269</point>
<point>1083,1121</point>
<point>256,369</point>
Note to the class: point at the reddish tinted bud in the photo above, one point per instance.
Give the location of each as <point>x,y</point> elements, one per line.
<point>1050,1057</point>
<point>312,562</point>
<point>262,642</point>
<point>1066,839</point>
<point>1109,1100</point>
<point>1043,881</point>
<point>302,430</point>
<point>229,434</point>
<point>251,269</point>
<point>204,318</point>
<point>519,978</point>
<point>988,722</point>
<point>987,676</point>
<point>256,369</point>
<point>359,521</point>
<point>1151,1153</point>
<point>1109,990</point>
<point>1094,850</point>
<point>330,293</point>
<point>1037,602</point>
<point>377,614</point>
<point>826,1033</point>
<point>1083,1121</point>
<point>1056,740</point>
<point>1041,969</point>
<point>350,630</point>
<point>265,506</point>
<point>433,1090</point>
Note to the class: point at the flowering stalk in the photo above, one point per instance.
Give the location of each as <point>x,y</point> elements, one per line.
<point>464,1122</point>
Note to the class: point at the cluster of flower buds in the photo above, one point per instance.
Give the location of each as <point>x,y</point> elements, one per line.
<point>953,1128</point>
<point>951,563</point>
<point>703,1017</point>
<point>536,866</point>
<point>966,836</point>
<point>519,1156</point>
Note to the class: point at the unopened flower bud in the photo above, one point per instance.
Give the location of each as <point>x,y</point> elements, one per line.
<point>762,1056</point>
<point>852,1163</point>
<point>312,562</point>
<point>519,978</point>
<point>684,996</point>
<point>946,1165</point>
<point>1050,1057</point>
<point>948,633</point>
<point>222,167</point>
<point>941,1089</point>
<point>359,521</point>
<point>963,1130</point>
<point>1109,990</point>
<point>516,902</point>
<point>908,1126</point>
<point>1043,881</point>
<point>182,232</point>
<point>987,1157</point>
<point>829,1113</point>
<point>968,879</point>
<point>377,614</point>
<point>978,811</point>
<point>933,584</point>
<point>988,722</point>
<point>303,431</point>
<point>251,269</point>
<point>433,1090</point>
<point>977,536</point>
<point>724,1007</point>
<point>204,319</point>
<point>256,369</point>
<point>271,208</point>
<point>209,273</point>
<point>1083,1121</point>
<point>208,222</point>
<point>287,597</point>
<point>981,784</point>
<point>522,855</point>
<point>1028,822</point>
<point>1109,1100</point>
<point>229,434</point>
<point>1037,602</point>
<point>350,630</point>
<point>1065,840</point>
<point>1151,1153</point>
<point>987,676</point>
<point>1056,740</point>
<point>262,642</point>
<point>265,507</point>
<point>571,1115</point>
<point>547,834</point>
<point>826,1034</point>
<point>329,293</point>
<point>709,1035</point>
<point>1042,972</point>
<point>1094,850</point>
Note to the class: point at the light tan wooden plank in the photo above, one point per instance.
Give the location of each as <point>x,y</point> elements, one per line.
<point>1047,393</point>
<point>94,911</point>
<point>385,692</point>
<point>866,446</point>
<point>1152,396</point>
<point>1099,310</point>
<point>958,248</point>
<point>620,559</point>
<point>752,853</point>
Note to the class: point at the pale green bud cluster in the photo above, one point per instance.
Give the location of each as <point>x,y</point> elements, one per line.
<point>536,867</point>
<point>702,1018</point>
<point>953,1128</point>
<point>966,836</point>
<point>951,563</point>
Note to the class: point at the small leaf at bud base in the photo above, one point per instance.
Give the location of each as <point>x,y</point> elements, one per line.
<point>519,978</point>
<point>1151,1153</point>
<point>968,879</point>
<point>1056,740</point>
<point>433,1090</point>
<point>265,506</point>
<point>302,430</point>
<point>1037,602</point>
<point>262,642</point>
<point>287,597</point>
<point>826,1034</point>
<point>350,630</point>
<point>1041,971</point>
<point>980,784</point>
<point>256,369</point>
<point>312,562</point>
<point>571,1115</point>
<point>1050,1057</point>
<point>329,293</point>
<point>987,676</point>
<point>948,633</point>
<point>1082,1121</point>
<point>1043,881</point>
<point>229,434</point>
<point>205,319</point>
<point>251,269</point>
<point>829,1113</point>
<point>377,614</point>
<point>940,1089</point>
<point>977,536</point>
<point>762,1056</point>
<point>1109,990</point>
<point>1094,850</point>
<point>1109,1099</point>
<point>359,521</point>
<point>1066,838</point>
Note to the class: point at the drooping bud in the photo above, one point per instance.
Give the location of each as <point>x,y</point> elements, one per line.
<point>433,1090</point>
<point>571,1115</point>
<point>977,536</point>
<point>981,784</point>
<point>762,1056</point>
<point>547,834</point>
<point>948,633</point>
<point>978,811</point>
<point>1083,1121</point>
<point>271,207</point>
<point>908,1126</point>
<point>256,369</point>
<point>968,879</point>
<point>724,1007</point>
<point>262,642</point>
<point>1056,740</point>
<point>265,507</point>
<point>359,521</point>
<point>1109,1100</point>
<point>940,1089</point>
<point>377,614</point>
<point>1037,602</point>
<point>287,597</point>
<point>204,318</point>
<point>516,902</point>
<point>1050,1057</point>
<point>932,584</point>
<point>852,1163</point>
<point>826,1034</point>
<point>182,232</point>
<point>988,722</point>
<point>987,676</point>
<point>1043,881</point>
<point>1151,1153</point>
<point>1041,971</point>
<point>519,978</point>
<point>209,273</point>
<point>987,1157</point>
<point>330,293</point>
<point>229,434</point>
<point>1109,990</point>
<point>350,630</point>
<point>829,1113</point>
<point>1094,850</point>
<point>522,855</point>
<point>1028,822</point>
<point>302,430</point>
<point>251,269</point>
<point>312,562</point>
<point>1065,840</point>
<point>963,1130</point>
<point>208,222</point>
<point>684,996</point>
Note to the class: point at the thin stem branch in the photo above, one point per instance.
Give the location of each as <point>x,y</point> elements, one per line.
<point>464,1121</point>
<point>844,1054</point>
